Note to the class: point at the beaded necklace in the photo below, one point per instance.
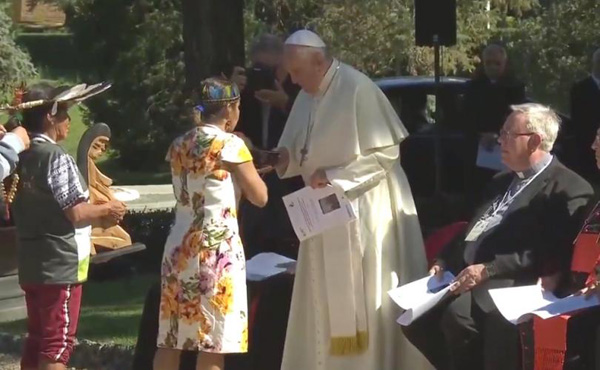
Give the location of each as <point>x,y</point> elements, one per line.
<point>9,197</point>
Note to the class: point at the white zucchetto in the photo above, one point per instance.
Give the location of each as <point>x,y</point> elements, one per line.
<point>305,38</point>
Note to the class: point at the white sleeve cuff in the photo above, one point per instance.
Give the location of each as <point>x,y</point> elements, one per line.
<point>334,177</point>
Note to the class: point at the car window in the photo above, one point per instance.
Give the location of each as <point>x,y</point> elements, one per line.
<point>396,101</point>
<point>430,108</point>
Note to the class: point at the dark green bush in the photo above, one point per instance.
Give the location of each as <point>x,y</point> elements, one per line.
<point>138,46</point>
<point>15,64</point>
<point>52,51</point>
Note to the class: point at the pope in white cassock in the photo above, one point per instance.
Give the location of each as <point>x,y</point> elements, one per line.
<point>343,132</point>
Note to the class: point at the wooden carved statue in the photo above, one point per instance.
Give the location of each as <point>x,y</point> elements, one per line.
<point>92,146</point>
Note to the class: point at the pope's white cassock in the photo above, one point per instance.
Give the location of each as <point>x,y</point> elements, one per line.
<point>341,316</point>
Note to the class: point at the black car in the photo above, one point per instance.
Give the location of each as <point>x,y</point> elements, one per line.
<point>414,101</point>
<point>414,97</point>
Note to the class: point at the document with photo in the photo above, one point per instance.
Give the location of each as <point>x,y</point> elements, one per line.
<point>313,211</point>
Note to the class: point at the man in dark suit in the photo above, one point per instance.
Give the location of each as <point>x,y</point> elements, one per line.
<point>524,230</point>
<point>486,105</point>
<point>491,92</point>
<point>585,118</point>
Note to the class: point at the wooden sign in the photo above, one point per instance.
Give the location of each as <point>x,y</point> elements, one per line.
<point>40,15</point>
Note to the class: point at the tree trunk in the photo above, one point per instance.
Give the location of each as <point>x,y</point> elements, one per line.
<point>213,36</point>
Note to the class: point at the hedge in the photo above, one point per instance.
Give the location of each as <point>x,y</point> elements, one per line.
<point>149,228</point>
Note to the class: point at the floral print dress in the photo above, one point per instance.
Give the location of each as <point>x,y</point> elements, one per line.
<point>203,290</point>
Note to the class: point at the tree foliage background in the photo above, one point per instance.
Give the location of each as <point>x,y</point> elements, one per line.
<point>554,48</point>
<point>15,64</point>
<point>138,45</point>
<point>550,42</point>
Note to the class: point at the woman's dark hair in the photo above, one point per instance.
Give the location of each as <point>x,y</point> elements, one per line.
<point>33,118</point>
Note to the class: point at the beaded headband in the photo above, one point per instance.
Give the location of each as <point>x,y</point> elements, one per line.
<point>214,91</point>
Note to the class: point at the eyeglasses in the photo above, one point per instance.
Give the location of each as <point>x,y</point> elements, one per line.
<point>505,134</point>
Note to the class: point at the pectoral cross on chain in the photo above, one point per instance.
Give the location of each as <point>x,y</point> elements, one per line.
<point>304,150</point>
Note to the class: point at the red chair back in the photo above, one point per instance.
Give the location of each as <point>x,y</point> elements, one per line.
<point>439,238</point>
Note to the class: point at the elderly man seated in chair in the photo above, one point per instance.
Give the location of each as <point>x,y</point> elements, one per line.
<point>522,231</point>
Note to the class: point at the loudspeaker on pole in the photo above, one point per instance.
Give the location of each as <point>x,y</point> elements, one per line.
<point>435,17</point>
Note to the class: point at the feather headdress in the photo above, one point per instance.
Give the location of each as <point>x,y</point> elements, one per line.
<point>70,96</point>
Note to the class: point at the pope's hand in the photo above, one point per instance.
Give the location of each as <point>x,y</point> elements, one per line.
<point>319,179</point>
<point>468,279</point>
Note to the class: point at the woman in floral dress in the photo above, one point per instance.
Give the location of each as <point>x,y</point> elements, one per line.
<point>203,291</point>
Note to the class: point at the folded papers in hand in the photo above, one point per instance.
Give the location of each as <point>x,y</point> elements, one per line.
<point>519,304</point>
<point>420,296</point>
<point>265,265</point>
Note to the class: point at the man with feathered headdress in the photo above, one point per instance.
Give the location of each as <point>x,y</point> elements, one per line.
<point>53,223</point>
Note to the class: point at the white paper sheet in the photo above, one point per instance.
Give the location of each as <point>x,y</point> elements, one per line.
<point>264,265</point>
<point>490,159</point>
<point>518,304</point>
<point>313,211</point>
<point>420,296</point>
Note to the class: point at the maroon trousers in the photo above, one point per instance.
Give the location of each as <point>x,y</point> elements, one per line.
<point>52,316</point>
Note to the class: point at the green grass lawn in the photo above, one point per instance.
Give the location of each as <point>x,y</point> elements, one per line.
<point>110,311</point>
